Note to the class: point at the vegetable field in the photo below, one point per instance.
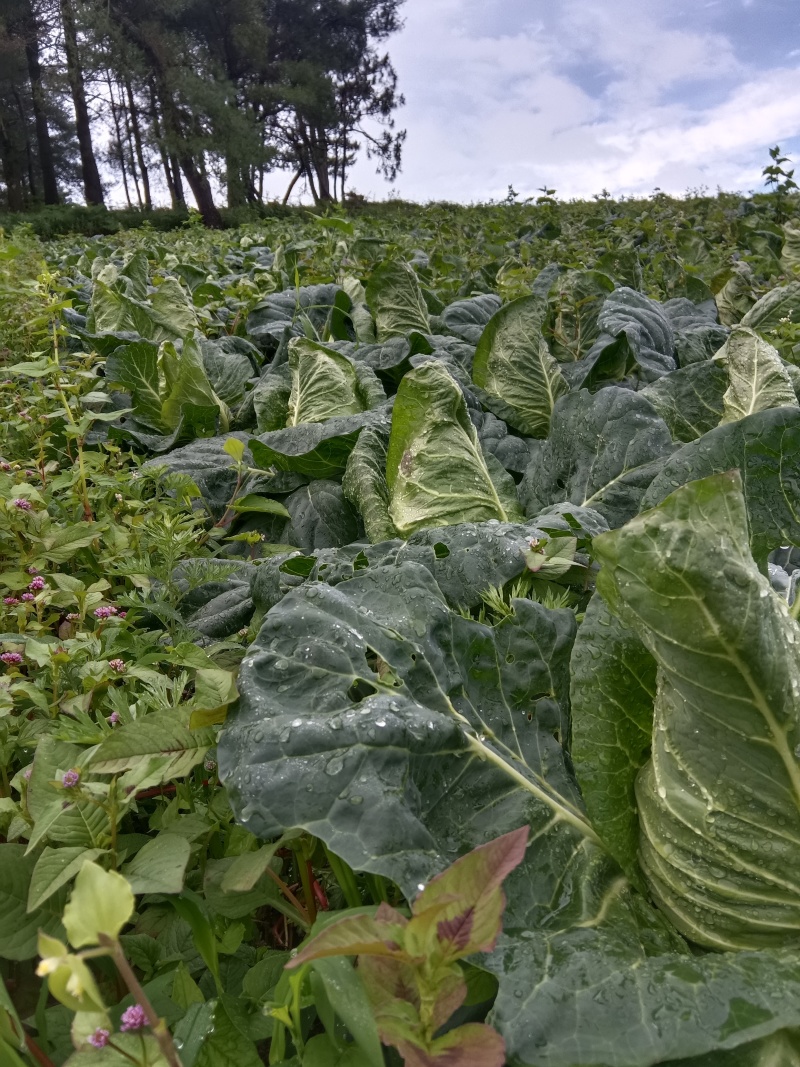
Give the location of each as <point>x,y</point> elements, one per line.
<point>400,649</point>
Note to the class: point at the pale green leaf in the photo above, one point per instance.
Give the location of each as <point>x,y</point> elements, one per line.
<point>100,905</point>
<point>436,471</point>
<point>160,866</point>
<point>719,800</point>
<point>757,377</point>
<point>513,365</point>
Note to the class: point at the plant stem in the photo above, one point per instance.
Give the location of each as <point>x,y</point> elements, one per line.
<point>306,874</point>
<point>160,1031</point>
<point>346,879</point>
<point>36,1053</point>
<point>279,882</point>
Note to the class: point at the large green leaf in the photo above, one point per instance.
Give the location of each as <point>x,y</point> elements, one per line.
<point>209,466</point>
<point>609,994</point>
<point>315,449</point>
<point>69,821</point>
<point>719,802</point>
<point>781,1049</point>
<point>736,296</point>
<point>160,866</point>
<point>790,254</point>
<point>467,318</point>
<point>186,383</point>
<point>757,377</point>
<point>646,327</point>
<point>613,688</point>
<point>325,384</point>
<point>435,469</point>
<point>401,733</point>
<point>396,301</point>
<point>18,926</point>
<point>320,517</point>
<point>172,309</point>
<point>514,367</point>
<point>304,310</point>
<point>166,316</point>
<point>603,451</point>
<point>227,368</point>
<point>135,368</point>
<point>162,738</point>
<point>689,399</point>
<point>576,298</point>
<point>780,304</point>
<point>765,447</point>
<point>364,483</point>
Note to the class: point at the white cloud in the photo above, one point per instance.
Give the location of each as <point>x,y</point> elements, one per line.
<point>496,96</point>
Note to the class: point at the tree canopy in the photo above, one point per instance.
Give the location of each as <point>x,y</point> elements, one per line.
<point>204,94</point>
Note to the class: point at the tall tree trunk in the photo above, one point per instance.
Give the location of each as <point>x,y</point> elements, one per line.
<point>92,186</point>
<point>201,191</point>
<point>28,150</point>
<point>197,179</point>
<point>133,111</point>
<point>126,119</point>
<point>171,172</point>
<point>118,132</point>
<point>13,174</point>
<point>295,179</point>
<point>180,195</point>
<point>46,162</point>
<point>234,182</point>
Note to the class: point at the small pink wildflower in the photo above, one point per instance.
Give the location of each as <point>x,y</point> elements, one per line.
<point>10,601</point>
<point>33,570</point>
<point>73,616</point>
<point>133,1018</point>
<point>27,597</point>
<point>122,614</point>
<point>11,659</point>
<point>4,466</point>
<point>21,503</point>
<point>71,778</point>
<point>117,665</point>
<point>105,612</point>
<point>99,1039</point>
<point>113,718</point>
<point>37,584</point>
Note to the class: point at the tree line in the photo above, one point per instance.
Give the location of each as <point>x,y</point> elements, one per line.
<point>199,94</point>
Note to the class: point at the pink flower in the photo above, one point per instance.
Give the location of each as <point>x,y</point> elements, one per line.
<point>117,665</point>
<point>105,612</point>
<point>37,584</point>
<point>4,466</point>
<point>71,778</point>
<point>11,659</point>
<point>133,1018</point>
<point>73,616</point>
<point>122,615</point>
<point>21,503</point>
<point>99,1039</point>
<point>28,597</point>
<point>11,601</point>
<point>113,718</point>
<point>33,570</point>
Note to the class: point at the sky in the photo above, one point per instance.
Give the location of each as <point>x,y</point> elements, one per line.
<point>587,95</point>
